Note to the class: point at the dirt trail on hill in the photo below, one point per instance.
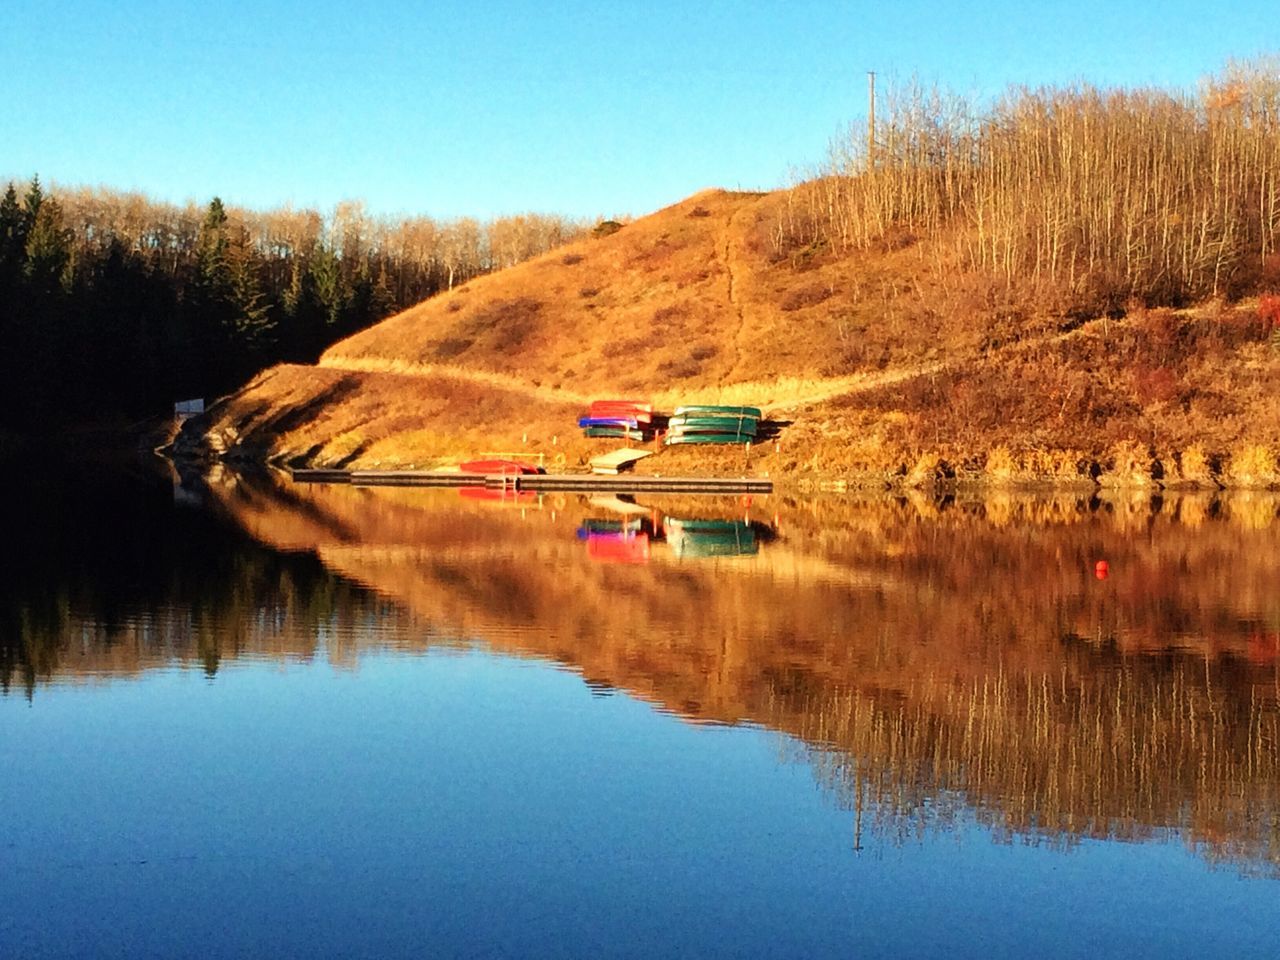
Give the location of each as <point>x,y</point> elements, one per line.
<point>863,382</point>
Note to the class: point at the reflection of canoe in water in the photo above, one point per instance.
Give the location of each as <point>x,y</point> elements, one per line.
<point>619,547</point>
<point>499,466</point>
<point>507,495</point>
<point>615,541</point>
<point>711,538</point>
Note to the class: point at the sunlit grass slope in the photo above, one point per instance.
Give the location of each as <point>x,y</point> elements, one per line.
<point>895,360</point>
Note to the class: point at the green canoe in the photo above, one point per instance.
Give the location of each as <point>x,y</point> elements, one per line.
<point>673,439</point>
<point>699,410</point>
<point>712,424</point>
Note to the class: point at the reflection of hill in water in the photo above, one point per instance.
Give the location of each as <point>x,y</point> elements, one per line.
<point>915,650</point>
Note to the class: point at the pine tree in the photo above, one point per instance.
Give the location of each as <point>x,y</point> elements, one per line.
<point>213,272</point>
<point>31,203</point>
<point>254,328</point>
<point>326,277</point>
<point>13,234</point>
<point>48,252</point>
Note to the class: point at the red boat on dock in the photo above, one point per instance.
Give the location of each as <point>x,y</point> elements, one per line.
<point>499,467</point>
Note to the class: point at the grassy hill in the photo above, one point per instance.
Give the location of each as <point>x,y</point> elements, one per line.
<point>894,359</point>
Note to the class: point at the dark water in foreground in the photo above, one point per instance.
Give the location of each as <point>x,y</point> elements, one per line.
<point>249,720</point>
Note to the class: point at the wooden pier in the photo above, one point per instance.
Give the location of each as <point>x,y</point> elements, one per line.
<point>537,481</point>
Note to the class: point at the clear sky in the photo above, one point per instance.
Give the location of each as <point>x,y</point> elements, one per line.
<point>490,107</point>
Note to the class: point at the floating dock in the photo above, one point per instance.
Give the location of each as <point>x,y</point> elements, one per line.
<point>537,481</point>
<point>616,461</point>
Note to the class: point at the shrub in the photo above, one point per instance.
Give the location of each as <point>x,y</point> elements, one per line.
<point>605,228</point>
<point>664,315</point>
<point>679,369</point>
<point>703,351</point>
<point>804,297</point>
<point>1269,312</point>
<point>1252,465</point>
<point>1155,385</point>
<point>570,259</point>
<point>451,347</point>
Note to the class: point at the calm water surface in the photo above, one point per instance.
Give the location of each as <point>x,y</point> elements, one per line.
<point>243,718</point>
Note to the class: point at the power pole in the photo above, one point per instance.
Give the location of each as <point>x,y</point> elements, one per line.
<point>871,120</point>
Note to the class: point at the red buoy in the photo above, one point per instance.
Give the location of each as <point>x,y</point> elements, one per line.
<point>1101,569</point>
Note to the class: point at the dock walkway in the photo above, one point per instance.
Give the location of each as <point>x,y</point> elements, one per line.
<point>538,481</point>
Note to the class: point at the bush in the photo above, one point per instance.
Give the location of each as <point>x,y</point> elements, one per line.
<point>1269,312</point>
<point>804,297</point>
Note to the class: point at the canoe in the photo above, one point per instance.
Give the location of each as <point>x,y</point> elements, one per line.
<point>701,409</point>
<point>632,409</point>
<point>637,405</point>
<point>673,439</point>
<point>499,466</point>
<point>624,433</point>
<point>726,424</point>
<point>587,422</point>
<point>709,436</point>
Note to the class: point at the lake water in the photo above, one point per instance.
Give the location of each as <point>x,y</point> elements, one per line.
<point>243,718</point>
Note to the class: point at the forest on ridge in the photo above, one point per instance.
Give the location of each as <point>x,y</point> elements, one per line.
<point>114,305</point>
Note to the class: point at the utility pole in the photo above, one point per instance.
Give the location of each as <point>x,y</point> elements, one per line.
<point>871,120</point>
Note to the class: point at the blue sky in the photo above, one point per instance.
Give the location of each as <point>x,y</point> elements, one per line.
<point>497,107</point>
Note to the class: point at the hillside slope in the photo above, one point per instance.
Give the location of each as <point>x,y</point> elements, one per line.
<point>889,361</point>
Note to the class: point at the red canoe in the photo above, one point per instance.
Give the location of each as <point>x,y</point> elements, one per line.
<point>498,467</point>
<point>629,409</point>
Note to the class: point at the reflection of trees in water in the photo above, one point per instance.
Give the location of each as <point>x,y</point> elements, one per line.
<point>1133,748</point>
<point>930,657</point>
<point>110,580</point>
<point>264,612</point>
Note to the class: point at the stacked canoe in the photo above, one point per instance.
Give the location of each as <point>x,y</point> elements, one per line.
<point>699,423</point>
<point>621,419</point>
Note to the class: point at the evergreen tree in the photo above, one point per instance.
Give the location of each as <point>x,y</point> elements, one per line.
<point>48,253</point>
<point>213,272</point>
<point>13,233</point>
<point>31,204</point>
<point>326,278</point>
<point>253,326</point>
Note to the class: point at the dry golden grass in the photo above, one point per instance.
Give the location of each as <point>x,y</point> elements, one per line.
<point>891,364</point>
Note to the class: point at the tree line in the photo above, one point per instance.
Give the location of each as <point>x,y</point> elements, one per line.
<point>115,305</point>
<point>1090,197</point>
